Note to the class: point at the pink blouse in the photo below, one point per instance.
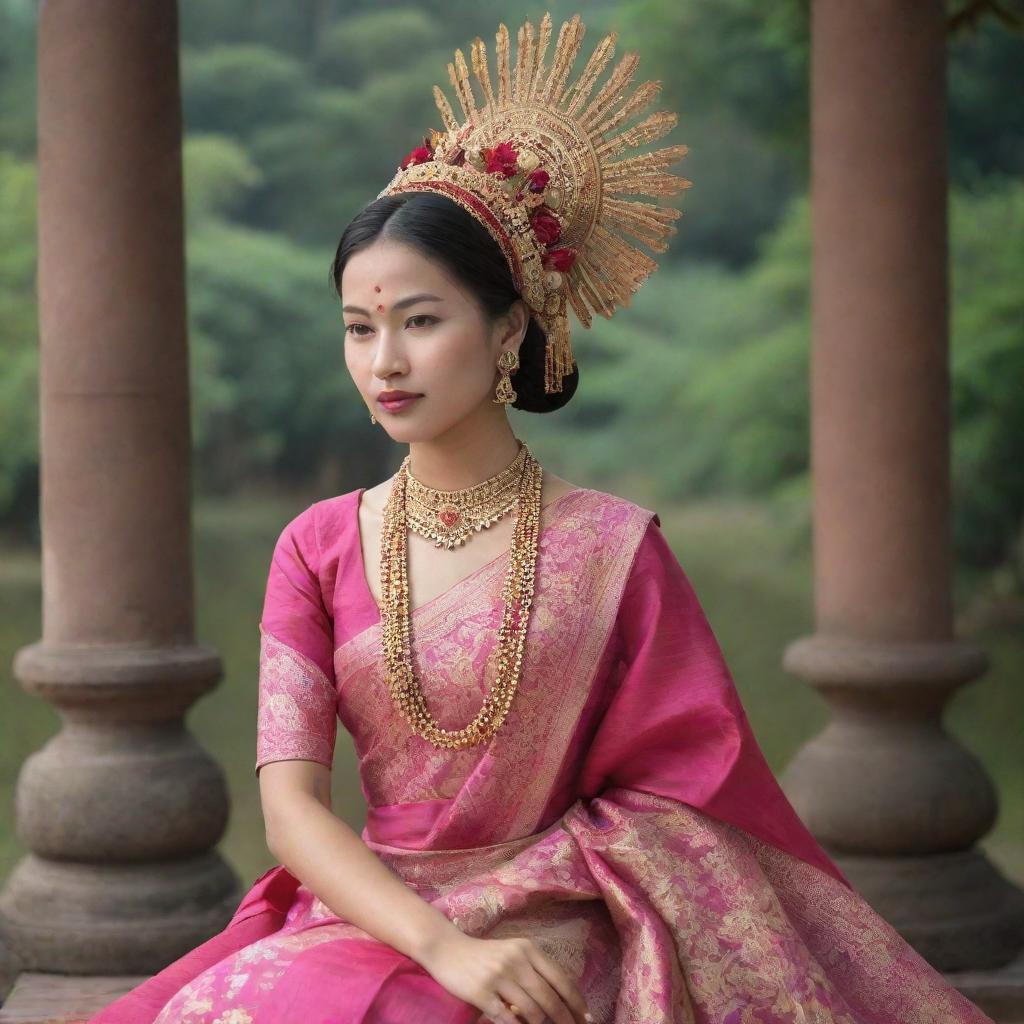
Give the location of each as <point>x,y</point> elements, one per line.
<point>317,599</point>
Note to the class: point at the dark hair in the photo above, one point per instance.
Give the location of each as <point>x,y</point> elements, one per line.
<point>442,230</point>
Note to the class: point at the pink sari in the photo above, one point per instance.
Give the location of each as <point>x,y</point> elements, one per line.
<point>623,817</point>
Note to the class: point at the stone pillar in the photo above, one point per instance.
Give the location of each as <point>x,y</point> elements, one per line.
<point>898,802</point>
<point>121,810</point>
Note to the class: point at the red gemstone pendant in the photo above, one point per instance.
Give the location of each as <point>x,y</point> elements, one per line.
<point>449,517</point>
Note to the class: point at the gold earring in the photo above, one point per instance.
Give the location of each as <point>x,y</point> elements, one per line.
<point>508,363</point>
<point>373,419</point>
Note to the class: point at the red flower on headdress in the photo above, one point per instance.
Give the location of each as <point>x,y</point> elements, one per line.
<point>419,155</point>
<point>559,259</point>
<point>546,225</point>
<point>538,180</point>
<point>502,159</point>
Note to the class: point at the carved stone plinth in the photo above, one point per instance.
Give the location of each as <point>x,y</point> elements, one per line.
<point>121,810</point>
<point>898,802</point>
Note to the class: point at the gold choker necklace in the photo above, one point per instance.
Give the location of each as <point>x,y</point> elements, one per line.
<point>517,593</point>
<point>450,518</point>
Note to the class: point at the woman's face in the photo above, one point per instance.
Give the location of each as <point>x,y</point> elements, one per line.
<point>409,326</point>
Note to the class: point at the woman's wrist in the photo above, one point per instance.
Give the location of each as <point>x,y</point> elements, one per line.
<point>432,939</point>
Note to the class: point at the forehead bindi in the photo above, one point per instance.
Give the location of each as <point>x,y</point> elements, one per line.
<point>387,271</point>
<point>408,302</point>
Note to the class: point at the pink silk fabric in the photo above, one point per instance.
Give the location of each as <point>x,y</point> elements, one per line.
<point>623,817</point>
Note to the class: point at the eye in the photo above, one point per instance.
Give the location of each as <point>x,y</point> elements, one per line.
<point>423,316</point>
<point>354,331</point>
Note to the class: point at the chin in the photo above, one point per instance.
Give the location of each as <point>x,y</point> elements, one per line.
<point>413,432</point>
<point>404,430</point>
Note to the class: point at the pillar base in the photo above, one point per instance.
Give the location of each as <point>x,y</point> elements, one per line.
<point>121,811</point>
<point>897,802</point>
<point>999,993</point>
<point>75,918</point>
<point>955,909</point>
<point>9,969</point>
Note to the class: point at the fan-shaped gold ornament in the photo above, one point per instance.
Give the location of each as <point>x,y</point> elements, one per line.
<point>546,167</point>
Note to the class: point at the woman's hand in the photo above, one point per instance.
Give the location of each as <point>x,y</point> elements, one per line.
<point>491,973</point>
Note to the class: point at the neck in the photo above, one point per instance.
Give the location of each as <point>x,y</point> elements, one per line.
<point>462,458</point>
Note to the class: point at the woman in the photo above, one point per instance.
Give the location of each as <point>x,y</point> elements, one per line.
<point>569,817</point>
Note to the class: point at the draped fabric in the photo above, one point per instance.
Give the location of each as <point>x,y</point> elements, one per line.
<point>623,817</point>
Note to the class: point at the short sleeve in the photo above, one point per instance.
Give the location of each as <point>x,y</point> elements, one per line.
<point>298,711</point>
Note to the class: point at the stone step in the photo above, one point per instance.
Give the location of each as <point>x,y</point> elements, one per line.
<point>61,998</point>
<point>68,999</point>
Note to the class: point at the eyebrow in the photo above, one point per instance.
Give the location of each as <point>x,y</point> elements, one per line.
<point>400,304</point>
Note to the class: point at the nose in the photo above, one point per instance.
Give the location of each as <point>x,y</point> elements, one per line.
<point>389,356</point>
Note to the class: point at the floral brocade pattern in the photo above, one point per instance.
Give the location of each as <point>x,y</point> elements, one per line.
<point>584,555</point>
<point>760,935</point>
<point>297,706</point>
<point>663,915</point>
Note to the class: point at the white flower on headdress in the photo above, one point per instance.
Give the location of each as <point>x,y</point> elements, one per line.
<point>528,160</point>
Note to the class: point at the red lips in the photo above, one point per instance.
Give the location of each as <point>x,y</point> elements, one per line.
<point>394,396</point>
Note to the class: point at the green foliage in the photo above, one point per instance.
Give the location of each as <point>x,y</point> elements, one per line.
<point>271,395</point>
<point>319,171</point>
<point>297,114</point>
<point>239,89</point>
<point>986,117</point>
<point>710,383</point>
<point>988,372</point>
<point>712,377</point>
<point>736,72</point>
<point>741,58</point>
<point>17,77</point>
<point>219,175</point>
<point>356,49</point>
<point>19,361</point>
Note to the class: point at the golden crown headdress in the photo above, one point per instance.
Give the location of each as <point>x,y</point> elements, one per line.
<point>540,166</point>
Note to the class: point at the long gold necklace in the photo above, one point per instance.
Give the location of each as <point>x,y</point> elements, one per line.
<point>450,518</point>
<point>517,594</point>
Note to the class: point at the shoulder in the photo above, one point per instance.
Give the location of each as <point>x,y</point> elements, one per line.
<point>595,502</point>
<point>337,505</point>
<point>319,526</point>
<point>631,532</point>
<point>599,530</point>
<point>615,508</point>
<point>334,521</point>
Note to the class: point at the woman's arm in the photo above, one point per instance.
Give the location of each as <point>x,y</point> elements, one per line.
<point>297,725</point>
<point>332,860</point>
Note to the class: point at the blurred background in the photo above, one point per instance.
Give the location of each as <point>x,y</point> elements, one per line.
<point>694,402</point>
